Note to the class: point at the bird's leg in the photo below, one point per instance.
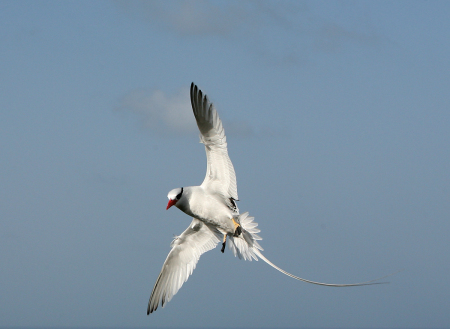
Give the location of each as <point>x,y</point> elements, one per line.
<point>224,243</point>
<point>237,228</point>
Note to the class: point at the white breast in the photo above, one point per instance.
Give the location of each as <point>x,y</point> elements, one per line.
<point>207,208</point>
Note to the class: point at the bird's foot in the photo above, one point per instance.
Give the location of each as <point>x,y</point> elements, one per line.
<point>237,228</point>
<point>224,243</point>
<point>223,247</point>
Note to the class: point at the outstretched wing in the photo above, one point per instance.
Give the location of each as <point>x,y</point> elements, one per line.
<point>187,248</point>
<point>220,176</point>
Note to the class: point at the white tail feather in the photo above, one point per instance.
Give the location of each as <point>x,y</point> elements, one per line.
<point>246,247</point>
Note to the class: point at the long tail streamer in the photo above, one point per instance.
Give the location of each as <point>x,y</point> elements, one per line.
<point>250,248</point>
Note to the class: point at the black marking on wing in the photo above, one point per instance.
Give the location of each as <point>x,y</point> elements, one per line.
<point>233,205</point>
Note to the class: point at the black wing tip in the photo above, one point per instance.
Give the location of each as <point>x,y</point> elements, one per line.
<point>195,90</point>
<point>151,309</point>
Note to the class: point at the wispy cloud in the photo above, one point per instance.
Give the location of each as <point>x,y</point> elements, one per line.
<point>194,18</point>
<point>167,115</point>
<point>332,36</point>
<point>288,32</point>
<point>159,113</point>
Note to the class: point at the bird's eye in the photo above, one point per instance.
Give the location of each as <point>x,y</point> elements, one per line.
<point>179,194</point>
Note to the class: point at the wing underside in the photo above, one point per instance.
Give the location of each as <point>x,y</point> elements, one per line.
<point>187,248</point>
<point>220,175</point>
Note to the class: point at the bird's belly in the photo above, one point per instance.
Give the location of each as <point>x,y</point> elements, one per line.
<point>214,213</point>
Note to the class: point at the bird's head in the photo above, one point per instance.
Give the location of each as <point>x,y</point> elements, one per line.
<point>174,195</point>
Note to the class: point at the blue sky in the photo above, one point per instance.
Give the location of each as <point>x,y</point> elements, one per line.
<point>337,117</point>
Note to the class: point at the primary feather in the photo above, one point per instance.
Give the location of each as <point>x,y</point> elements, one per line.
<point>220,175</point>
<point>187,248</point>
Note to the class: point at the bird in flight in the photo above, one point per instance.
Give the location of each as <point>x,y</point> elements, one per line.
<point>215,213</point>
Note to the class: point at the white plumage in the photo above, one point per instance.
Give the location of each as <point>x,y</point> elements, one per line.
<point>213,207</point>
<point>220,176</point>
<point>187,248</point>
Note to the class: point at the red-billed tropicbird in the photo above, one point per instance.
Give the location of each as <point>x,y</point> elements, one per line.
<point>215,213</point>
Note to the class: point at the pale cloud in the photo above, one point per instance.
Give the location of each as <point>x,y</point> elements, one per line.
<point>167,115</point>
<point>187,17</point>
<point>287,32</point>
<point>214,18</point>
<point>331,37</point>
<point>160,113</point>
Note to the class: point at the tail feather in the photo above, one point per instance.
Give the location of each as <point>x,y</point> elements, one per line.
<point>246,247</point>
<point>366,283</point>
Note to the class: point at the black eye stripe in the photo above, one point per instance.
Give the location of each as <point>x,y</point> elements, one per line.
<point>179,194</point>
